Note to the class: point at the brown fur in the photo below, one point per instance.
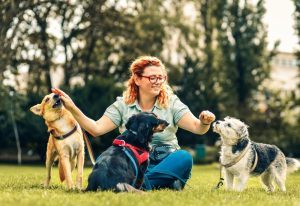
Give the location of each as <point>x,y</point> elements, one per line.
<point>69,150</point>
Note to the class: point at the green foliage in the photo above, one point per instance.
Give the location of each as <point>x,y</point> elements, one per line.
<point>32,128</point>
<point>10,105</point>
<point>242,41</point>
<point>197,78</point>
<point>297,26</point>
<point>23,186</point>
<point>93,99</point>
<point>196,91</point>
<point>275,121</point>
<point>96,38</point>
<point>216,61</point>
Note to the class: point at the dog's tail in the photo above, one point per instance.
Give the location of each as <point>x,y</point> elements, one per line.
<point>292,165</point>
<point>61,172</point>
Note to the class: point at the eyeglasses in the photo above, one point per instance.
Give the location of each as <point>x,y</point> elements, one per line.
<point>155,79</point>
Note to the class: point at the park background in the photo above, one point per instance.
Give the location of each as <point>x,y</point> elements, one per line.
<point>217,53</point>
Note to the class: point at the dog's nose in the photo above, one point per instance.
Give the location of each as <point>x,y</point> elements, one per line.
<point>163,122</point>
<point>56,96</point>
<point>218,122</point>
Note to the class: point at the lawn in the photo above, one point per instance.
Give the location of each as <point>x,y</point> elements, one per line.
<point>22,185</point>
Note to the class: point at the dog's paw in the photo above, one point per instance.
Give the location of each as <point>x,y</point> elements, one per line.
<point>46,185</point>
<point>124,187</point>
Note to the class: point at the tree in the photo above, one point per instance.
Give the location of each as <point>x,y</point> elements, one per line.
<point>242,41</point>
<point>25,35</point>
<point>297,28</point>
<point>10,115</point>
<point>195,79</point>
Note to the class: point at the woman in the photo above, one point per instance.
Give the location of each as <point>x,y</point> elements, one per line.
<point>148,91</point>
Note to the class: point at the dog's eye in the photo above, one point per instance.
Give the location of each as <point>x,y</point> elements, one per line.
<point>47,99</point>
<point>229,125</point>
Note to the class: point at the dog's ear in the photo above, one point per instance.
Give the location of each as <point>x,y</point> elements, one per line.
<point>243,131</point>
<point>36,109</point>
<point>130,121</point>
<point>144,131</point>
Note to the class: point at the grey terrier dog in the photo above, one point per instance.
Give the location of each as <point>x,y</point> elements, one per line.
<point>241,157</point>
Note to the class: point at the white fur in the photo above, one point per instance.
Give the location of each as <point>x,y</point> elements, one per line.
<point>232,131</point>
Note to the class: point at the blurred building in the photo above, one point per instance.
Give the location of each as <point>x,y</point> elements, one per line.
<point>284,71</point>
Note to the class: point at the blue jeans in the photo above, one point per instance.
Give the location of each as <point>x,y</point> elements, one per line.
<point>176,166</point>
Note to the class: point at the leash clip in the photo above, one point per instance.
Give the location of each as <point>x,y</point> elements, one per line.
<point>123,143</point>
<point>220,184</point>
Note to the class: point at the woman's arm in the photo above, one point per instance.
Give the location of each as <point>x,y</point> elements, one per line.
<point>198,126</point>
<point>95,128</point>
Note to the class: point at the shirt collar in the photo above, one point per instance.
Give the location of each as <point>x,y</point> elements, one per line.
<point>157,104</point>
<point>136,104</point>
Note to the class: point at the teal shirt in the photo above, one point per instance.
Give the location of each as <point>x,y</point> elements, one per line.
<point>119,112</point>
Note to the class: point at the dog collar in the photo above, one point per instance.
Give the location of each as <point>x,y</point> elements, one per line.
<point>65,135</point>
<point>238,158</point>
<point>141,158</point>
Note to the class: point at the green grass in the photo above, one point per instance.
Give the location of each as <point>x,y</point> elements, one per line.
<point>23,186</point>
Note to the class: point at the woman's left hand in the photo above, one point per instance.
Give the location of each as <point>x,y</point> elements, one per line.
<point>206,117</point>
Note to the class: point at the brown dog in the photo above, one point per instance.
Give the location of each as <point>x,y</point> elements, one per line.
<point>65,140</point>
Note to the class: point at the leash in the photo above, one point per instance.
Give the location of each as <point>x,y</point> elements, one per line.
<point>236,160</point>
<point>220,183</point>
<point>133,163</point>
<point>89,147</point>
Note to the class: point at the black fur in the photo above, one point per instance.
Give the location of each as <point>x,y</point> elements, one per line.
<point>113,166</point>
<point>240,145</point>
<point>266,155</point>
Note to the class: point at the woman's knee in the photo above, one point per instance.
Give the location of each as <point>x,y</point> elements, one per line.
<point>185,158</point>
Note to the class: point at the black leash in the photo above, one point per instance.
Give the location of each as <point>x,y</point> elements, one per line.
<point>220,183</point>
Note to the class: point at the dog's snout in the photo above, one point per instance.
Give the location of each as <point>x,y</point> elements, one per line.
<point>163,122</point>
<point>218,122</point>
<point>56,96</point>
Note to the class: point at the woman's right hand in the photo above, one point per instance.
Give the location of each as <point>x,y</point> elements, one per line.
<point>67,101</point>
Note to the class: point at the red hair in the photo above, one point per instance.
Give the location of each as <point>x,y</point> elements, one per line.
<point>137,68</point>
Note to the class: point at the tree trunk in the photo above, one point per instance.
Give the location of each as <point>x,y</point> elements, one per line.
<point>16,135</point>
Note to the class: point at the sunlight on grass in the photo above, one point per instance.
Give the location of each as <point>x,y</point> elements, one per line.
<point>23,186</point>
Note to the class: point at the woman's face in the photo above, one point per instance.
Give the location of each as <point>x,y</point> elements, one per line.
<point>151,80</point>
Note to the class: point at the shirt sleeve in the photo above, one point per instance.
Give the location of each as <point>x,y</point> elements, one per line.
<point>179,109</point>
<point>114,111</point>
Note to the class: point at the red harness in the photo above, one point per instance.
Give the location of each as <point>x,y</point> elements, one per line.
<point>141,158</point>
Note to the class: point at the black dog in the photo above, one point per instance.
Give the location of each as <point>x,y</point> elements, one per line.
<point>122,166</point>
